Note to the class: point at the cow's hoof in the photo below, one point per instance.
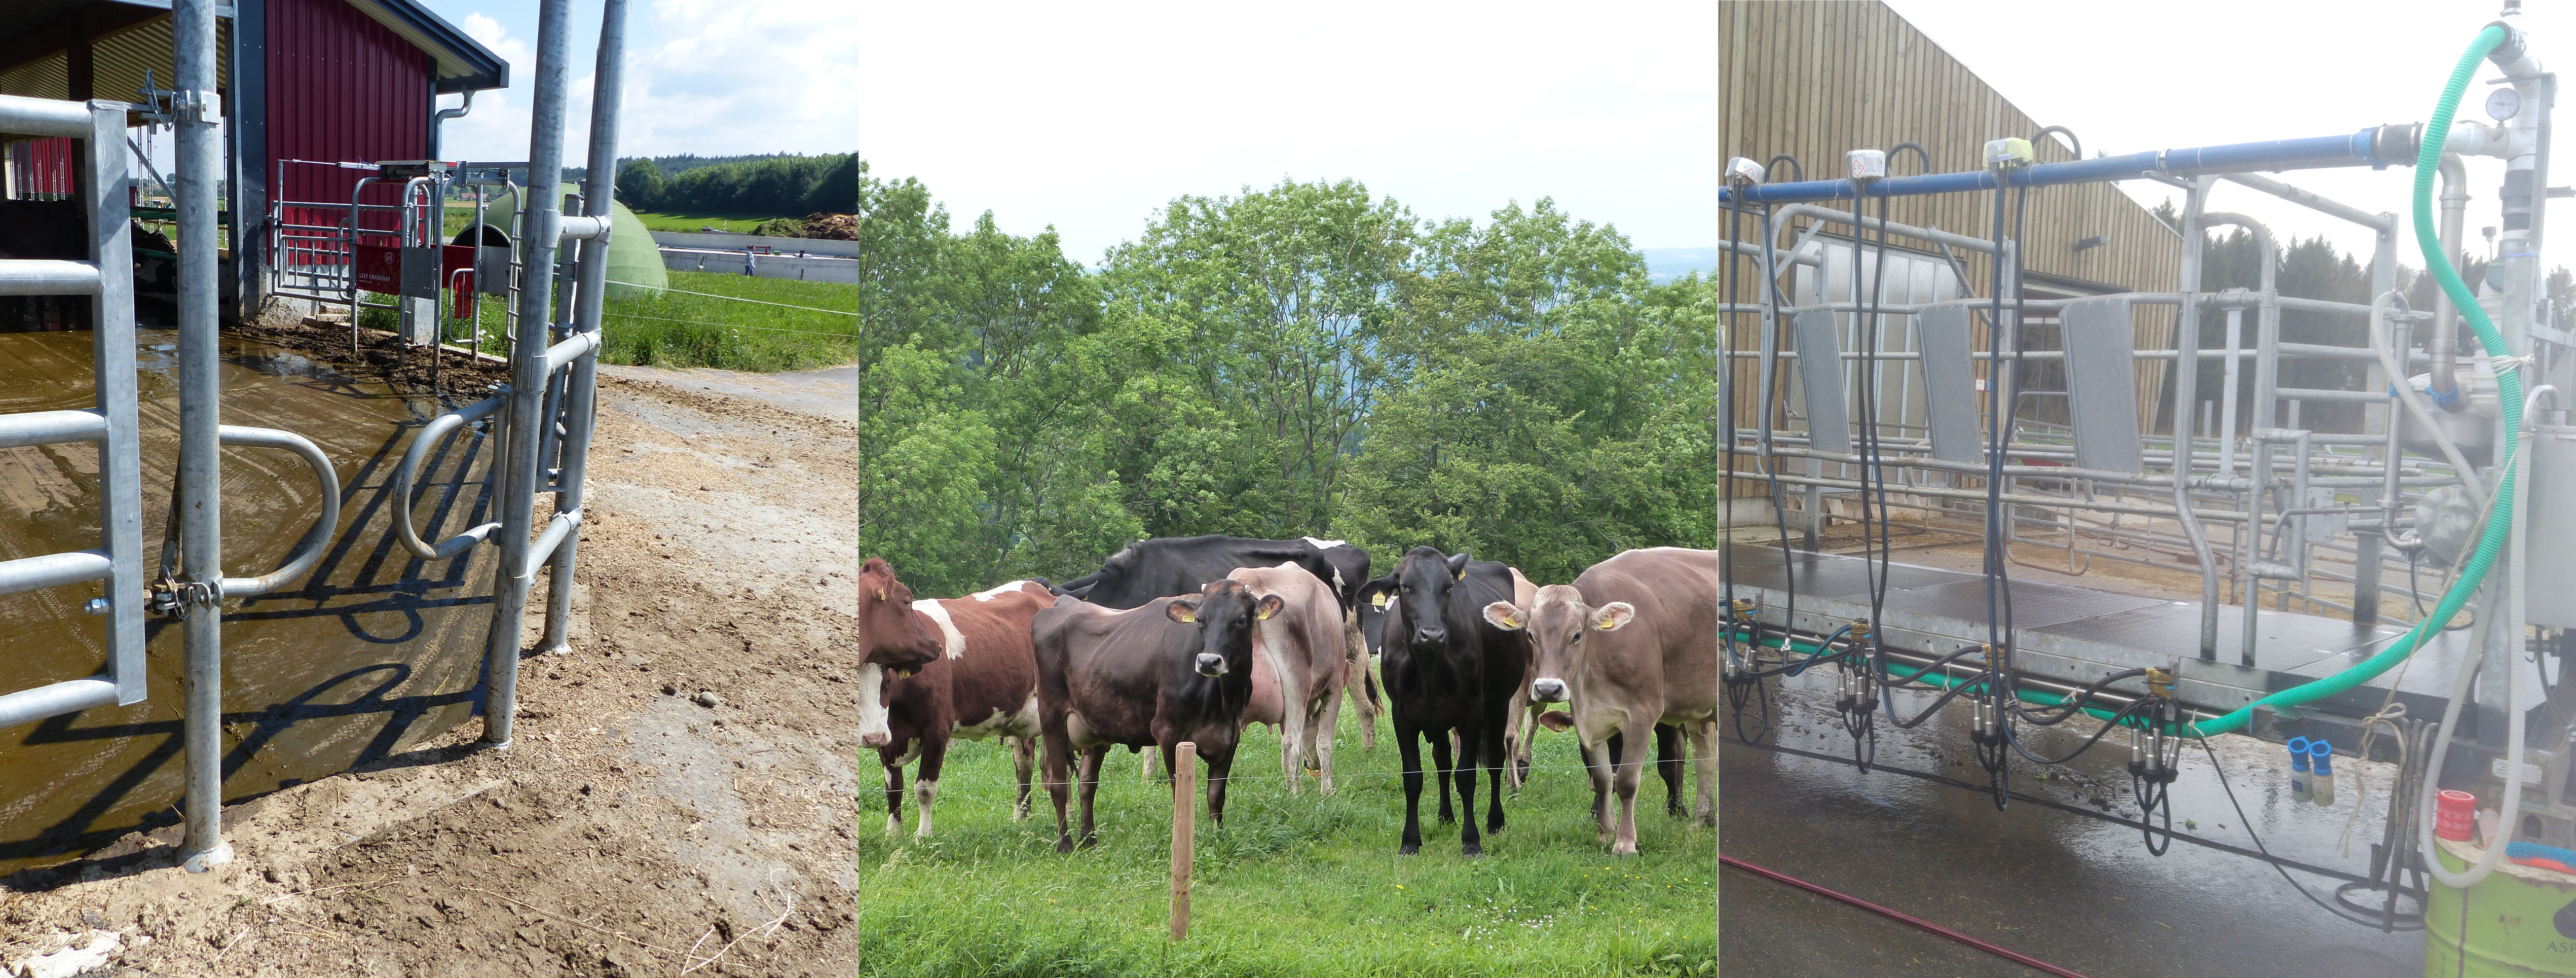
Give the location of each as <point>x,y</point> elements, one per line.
<point>1472,850</point>
<point>1091,842</point>
<point>1409,848</point>
<point>1063,845</point>
<point>1493,826</point>
<point>1624,849</point>
<point>1707,820</point>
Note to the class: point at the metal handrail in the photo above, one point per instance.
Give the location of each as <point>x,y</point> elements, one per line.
<point>318,537</point>
<point>405,473</point>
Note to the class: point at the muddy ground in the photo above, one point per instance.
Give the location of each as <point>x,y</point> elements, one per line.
<point>631,829</point>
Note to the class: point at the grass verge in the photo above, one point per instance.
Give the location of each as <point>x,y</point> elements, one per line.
<point>711,328</point>
<point>700,222</point>
<point>1292,885</point>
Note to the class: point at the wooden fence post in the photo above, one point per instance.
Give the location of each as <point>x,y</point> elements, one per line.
<point>1185,771</point>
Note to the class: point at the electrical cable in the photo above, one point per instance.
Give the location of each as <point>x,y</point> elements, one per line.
<point>2267,852</point>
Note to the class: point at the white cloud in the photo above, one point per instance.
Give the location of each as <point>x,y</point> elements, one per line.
<point>497,128</point>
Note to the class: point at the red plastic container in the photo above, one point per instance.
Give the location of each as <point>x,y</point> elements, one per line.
<point>2457,817</point>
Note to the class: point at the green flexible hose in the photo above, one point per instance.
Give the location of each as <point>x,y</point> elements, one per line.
<point>2499,524</point>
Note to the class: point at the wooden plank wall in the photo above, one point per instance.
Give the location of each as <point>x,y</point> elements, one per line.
<point>1816,78</point>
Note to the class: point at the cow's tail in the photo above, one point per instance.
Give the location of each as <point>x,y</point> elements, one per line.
<point>1369,677</point>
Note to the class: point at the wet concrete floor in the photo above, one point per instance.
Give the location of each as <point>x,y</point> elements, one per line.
<point>372,654</point>
<point>2075,891</point>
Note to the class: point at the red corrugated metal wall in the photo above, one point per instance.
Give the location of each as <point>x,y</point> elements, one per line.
<point>42,168</point>
<point>341,88</point>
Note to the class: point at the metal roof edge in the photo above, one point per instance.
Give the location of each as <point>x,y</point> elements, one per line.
<point>461,62</point>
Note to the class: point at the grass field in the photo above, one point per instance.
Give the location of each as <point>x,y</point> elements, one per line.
<point>708,329</point>
<point>694,222</point>
<point>1291,885</point>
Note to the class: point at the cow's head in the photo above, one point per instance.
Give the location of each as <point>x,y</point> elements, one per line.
<point>1557,622</point>
<point>1374,598</point>
<point>891,634</point>
<point>1423,582</point>
<point>891,637</point>
<point>1224,611</point>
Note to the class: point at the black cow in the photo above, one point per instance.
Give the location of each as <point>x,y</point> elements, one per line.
<point>1166,566</point>
<point>1176,669</point>
<point>1448,670</point>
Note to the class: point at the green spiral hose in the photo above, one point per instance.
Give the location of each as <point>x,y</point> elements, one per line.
<point>2499,525</point>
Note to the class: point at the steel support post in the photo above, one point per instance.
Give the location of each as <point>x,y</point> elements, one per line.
<point>201,528</point>
<point>580,401</point>
<point>528,371</point>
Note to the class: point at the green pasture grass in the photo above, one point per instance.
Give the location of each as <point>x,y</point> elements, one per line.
<point>1291,885</point>
<point>659,221</point>
<point>676,329</point>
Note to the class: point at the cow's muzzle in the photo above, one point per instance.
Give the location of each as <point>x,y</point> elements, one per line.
<point>1211,664</point>
<point>1429,637</point>
<point>1548,690</point>
<point>876,739</point>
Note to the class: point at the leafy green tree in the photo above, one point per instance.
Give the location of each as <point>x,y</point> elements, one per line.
<point>639,184</point>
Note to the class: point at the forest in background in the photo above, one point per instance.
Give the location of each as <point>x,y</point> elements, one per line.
<point>1306,359</point>
<point>777,186</point>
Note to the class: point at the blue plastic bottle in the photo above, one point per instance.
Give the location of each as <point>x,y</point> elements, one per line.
<point>2299,788</point>
<point>2321,771</point>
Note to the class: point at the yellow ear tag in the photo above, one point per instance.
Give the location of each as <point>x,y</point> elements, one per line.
<point>1608,621</point>
<point>1511,621</point>
<point>880,594</point>
<point>1462,575</point>
<point>1378,599</point>
<point>1261,615</point>
<point>1188,617</point>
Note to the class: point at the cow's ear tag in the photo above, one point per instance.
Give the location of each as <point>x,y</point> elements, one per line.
<point>1261,615</point>
<point>1185,614</point>
<point>881,594</point>
<point>1462,575</point>
<point>1378,599</point>
<point>1609,621</point>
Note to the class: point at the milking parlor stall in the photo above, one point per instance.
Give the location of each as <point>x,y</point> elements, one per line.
<point>2127,607</point>
<point>361,620</point>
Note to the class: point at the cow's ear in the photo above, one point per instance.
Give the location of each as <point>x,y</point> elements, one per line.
<point>1614,616</point>
<point>1557,720</point>
<point>1269,606</point>
<point>1502,615</point>
<point>1185,612</point>
<point>1458,566</point>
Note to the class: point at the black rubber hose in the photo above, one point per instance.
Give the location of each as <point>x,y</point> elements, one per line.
<point>2071,706</point>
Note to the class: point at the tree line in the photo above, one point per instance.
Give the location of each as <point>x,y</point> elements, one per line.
<point>1306,359</point>
<point>2312,268</point>
<point>786,186</point>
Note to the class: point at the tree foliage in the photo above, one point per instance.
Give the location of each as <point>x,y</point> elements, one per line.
<point>1302,360</point>
<point>780,185</point>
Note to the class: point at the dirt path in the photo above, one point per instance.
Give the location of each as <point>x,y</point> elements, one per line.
<point>632,829</point>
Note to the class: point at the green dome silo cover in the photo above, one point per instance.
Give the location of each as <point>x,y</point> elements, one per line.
<point>633,258</point>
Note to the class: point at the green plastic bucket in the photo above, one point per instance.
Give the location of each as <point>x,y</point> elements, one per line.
<point>2519,921</point>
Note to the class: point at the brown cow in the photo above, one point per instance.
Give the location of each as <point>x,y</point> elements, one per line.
<point>1304,642</point>
<point>1629,645</point>
<point>982,683</point>
<point>1175,669</point>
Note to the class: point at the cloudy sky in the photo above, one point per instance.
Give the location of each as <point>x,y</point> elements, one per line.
<point>1090,117</point>
<point>2202,73</point>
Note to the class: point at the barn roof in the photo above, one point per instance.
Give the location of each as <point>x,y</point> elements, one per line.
<point>128,36</point>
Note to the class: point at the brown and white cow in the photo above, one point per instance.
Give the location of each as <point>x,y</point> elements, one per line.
<point>1628,645</point>
<point>981,682</point>
<point>1300,665</point>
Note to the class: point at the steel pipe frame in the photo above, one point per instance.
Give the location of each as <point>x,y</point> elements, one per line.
<point>2355,149</point>
<point>199,166</point>
<point>527,371</point>
<point>581,382</point>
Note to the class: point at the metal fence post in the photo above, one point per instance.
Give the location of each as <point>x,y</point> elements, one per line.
<point>201,529</point>
<point>581,381</point>
<point>528,371</point>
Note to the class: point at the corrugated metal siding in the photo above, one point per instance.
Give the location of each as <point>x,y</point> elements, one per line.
<point>43,169</point>
<point>1815,79</point>
<point>341,88</point>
